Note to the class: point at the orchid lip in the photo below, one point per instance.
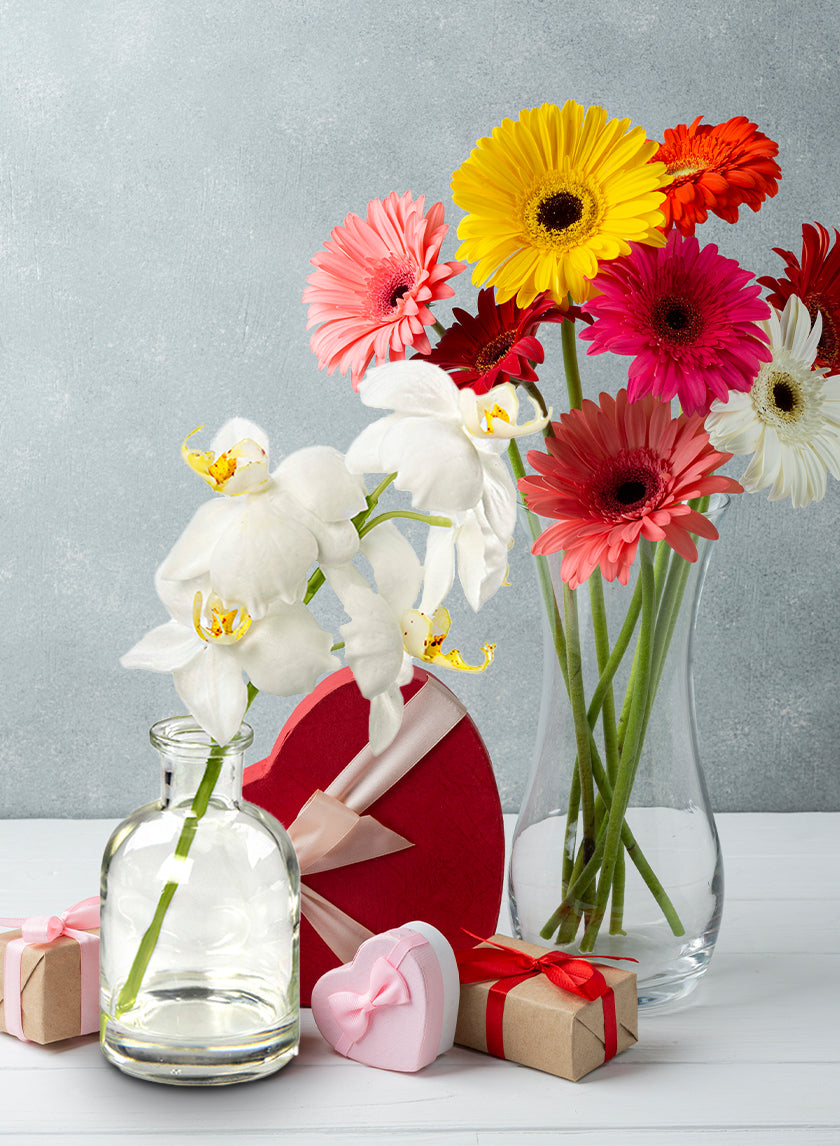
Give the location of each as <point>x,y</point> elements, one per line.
<point>224,629</point>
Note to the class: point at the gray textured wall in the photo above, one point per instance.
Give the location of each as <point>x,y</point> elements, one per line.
<point>166,172</point>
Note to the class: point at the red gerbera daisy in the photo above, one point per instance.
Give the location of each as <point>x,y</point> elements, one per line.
<point>815,278</point>
<point>497,345</point>
<point>374,280</point>
<point>689,318</point>
<point>716,168</point>
<point>617,472</point>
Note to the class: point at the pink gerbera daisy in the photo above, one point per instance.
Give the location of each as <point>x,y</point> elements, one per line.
<point>375,279</point>
<point>497,345</point>
<point>617,472</point>
<point>688,317</point>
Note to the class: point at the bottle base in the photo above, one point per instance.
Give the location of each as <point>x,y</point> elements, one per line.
<point>198,1039</point>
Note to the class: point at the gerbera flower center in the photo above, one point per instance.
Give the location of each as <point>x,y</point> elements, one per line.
<point>492,353</point>
<point>789,401</point>
<point>676,319</point>
<point>392,279</point>
<point>561,213</point>
<point>629,484</point>
<point>684,167</point>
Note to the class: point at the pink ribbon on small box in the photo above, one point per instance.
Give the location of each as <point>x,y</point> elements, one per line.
<point>330,830</point>
<point>76,922</point>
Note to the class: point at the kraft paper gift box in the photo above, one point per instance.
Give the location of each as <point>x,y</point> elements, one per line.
<point>414,833</point>
<point>49,975</point>
<point>511,1008</point>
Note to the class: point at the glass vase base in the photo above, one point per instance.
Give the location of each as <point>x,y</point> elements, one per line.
<point>200,1037</point>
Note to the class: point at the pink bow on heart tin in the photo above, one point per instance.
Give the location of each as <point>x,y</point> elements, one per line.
<point>395,1006</point>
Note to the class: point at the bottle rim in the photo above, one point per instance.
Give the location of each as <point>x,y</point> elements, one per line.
<point>184,735</point>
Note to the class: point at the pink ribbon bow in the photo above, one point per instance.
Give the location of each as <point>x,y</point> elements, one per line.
<point>76,921</point>
<point>353,1010</point>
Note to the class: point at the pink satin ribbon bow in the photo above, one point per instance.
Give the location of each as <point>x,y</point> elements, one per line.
<point>330,831</point>
<point>353,1010</point>
<point>76,921</point>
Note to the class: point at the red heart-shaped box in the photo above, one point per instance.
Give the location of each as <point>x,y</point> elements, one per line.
<point>447,805</point>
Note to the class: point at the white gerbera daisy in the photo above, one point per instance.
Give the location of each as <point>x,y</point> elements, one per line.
<point>790,419</point>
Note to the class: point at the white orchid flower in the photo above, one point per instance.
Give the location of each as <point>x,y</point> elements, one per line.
<point>444,445</point>
<point>209,643</point>
<point>384,631</point>
<point>258,541</point>
<point>438,438</point>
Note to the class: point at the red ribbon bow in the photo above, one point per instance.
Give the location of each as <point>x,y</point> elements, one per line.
<point>510,967</point>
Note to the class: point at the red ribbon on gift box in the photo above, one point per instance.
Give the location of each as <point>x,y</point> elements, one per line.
<point>510,967</point>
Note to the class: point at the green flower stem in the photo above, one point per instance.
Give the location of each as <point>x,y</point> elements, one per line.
<point>543,571</point>
<point>372,500</point>
<point>425,518</point>
<point>438,328</point>
<point>582,731</point>
<point>570,363</point>
<point>631,747</point>
<point>633,850</point>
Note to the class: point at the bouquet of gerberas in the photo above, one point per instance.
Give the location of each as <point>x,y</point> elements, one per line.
<point>581,220</point>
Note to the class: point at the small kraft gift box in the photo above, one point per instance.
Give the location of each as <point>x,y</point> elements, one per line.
<point>542,1008</point>
<point>49,975</point>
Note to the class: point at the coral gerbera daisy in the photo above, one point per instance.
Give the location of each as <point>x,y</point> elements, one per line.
<point>375,279</point>
<point>716,168</point>
<point>616,472</point>
<point>495,346</point>
<point>553,194</point>
<point>689,318</point>
<point>790,420</point>
<point>816,279</point>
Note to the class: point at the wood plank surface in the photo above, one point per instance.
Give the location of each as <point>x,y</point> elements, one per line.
<point>751,1058</point>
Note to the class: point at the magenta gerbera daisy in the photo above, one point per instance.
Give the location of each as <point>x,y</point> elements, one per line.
<point>687,315</point>
<point>496,345</point>
<point>616,472</point>
<point>375,280</point>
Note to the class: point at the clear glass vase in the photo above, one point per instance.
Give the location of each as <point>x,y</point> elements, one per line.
<point>200,920</point>
<point>661,903</point>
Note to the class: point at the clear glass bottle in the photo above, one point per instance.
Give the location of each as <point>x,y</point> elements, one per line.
<point>200,919</point>
<point>666,907</point>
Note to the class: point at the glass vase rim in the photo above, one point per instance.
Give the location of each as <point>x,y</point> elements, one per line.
<point>184,736</point>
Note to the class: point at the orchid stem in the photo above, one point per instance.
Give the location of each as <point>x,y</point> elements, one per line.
<point>427,519</point>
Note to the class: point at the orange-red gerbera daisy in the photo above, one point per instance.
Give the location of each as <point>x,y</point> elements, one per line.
<point>617,472</point>
<point>497,345</point>
<point>716,168</point>
<point>815,278</point>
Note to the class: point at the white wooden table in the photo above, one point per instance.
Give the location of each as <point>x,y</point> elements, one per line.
<point>753,1057</point>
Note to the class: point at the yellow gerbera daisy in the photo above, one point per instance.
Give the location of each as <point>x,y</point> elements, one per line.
<point>551,195</point>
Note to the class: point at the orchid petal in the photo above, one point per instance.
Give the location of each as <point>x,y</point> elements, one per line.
<point>285,652</point>
<point>411,388</point>
<point>190,555</point>
<point>318,478</point>
<point>261,558</point>
<point>396,567</point>
<point>438,569</point>
<point>436,462</point>
<point>385,718</point>
<point>212,688</point>
<point>163,649</point>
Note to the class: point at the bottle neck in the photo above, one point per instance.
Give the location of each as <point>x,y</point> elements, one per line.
<point>182,777</point>
<point>194,767</point>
